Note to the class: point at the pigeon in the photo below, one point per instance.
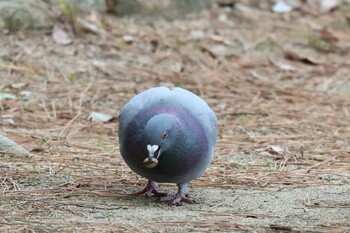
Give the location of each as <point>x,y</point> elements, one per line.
<point>167,135</point>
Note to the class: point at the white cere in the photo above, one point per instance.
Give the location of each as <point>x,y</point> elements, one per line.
<point>152,149</point>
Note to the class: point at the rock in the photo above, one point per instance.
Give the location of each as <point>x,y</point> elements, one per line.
<point>100,117</point>
<point>18,14</point>
<point>164,8</point>
<point>9,146</point>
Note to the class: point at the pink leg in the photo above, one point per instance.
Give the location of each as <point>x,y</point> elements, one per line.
<point>151,188</point>
<point>179,198</point>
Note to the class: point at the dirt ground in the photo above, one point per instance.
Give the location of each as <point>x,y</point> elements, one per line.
<point>279,84</point>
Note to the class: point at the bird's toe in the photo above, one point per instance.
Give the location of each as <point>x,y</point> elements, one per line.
<point>177,200</point>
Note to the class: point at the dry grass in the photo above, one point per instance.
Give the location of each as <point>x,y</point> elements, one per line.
<point>76,163</point>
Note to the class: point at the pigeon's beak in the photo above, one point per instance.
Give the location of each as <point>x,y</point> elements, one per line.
<point>153,155</point>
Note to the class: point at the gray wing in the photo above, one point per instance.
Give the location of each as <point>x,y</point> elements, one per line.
<point>194,104</point>
<point>200,109</point>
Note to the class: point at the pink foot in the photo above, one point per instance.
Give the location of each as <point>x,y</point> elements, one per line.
<point>151,188</point>
<point>179,198</point>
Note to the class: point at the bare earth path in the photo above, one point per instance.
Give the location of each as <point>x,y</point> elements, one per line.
<point>279,84</point>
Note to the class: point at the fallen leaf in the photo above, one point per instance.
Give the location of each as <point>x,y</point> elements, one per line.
<point>283,65</point>
<point>275,149</point>
<point>322,6</point>
<point>304,57</point>
<point>258,76</point>
<point>89,27</point>
<point>7,119</point>
<point>334,36</point>
<point>220,39</point>
<point>221,50</point>
<point>101,117</point>
<point>339,144</point>
<point>25,95</point>
<point>281,7</point>
<point>7,96</point>
<point>328,5</point>
<point>128,38</point>
<point>60,36</point>
<point>18,85</point>
<point>223,18</point>
<point>37,149</point>
<point>328,35</point>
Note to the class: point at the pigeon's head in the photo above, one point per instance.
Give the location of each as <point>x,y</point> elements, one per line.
<point>160,132</point>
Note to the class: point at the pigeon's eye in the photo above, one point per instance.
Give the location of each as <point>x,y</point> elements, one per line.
<point>165,135</point>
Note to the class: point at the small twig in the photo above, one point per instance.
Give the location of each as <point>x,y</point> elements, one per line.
<point>328,206</point>
<point>19,68</point>
<point>89,206</point>
<point>68,124</point>
<point>54,109</point>
<point>319,164</point>
<point>14,184</point>
<point>45,109</point>
<point>82,96</point>
<point>4,182</point>
<point>283,164</point>
<point>242,113</point>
